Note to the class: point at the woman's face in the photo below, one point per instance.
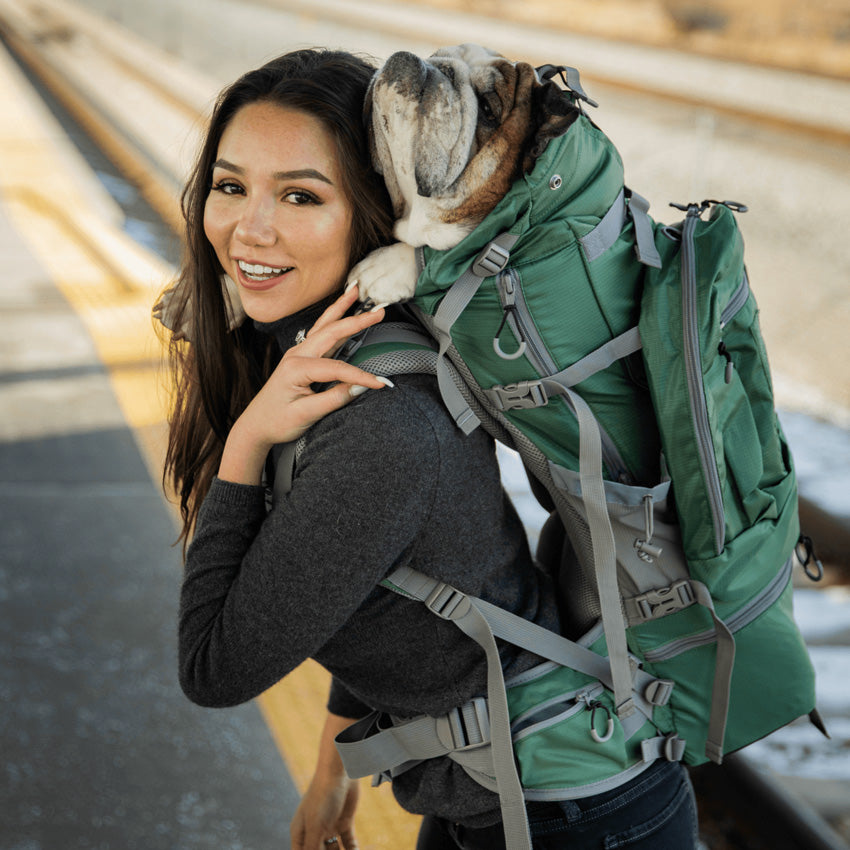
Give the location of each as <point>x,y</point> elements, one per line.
<point>277,216</point>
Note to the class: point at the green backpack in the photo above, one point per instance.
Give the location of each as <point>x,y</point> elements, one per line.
<point>623,360</point>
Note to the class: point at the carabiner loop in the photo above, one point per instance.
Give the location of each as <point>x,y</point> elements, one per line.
<point>609,729</point>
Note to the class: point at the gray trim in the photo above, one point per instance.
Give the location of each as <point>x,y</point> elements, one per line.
<point>607,232</point>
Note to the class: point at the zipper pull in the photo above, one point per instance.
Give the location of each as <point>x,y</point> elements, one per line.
<point>508,293</point>
<point>645,550</point>
<point>724,352</point>
<point>595,706</point>
<point>805,552</point>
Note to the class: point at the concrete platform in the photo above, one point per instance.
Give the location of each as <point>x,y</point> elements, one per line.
<point>99,746</point>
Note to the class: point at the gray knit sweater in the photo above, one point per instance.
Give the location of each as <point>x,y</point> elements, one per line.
<point>386,481</point>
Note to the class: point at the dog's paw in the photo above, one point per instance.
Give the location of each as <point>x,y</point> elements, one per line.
<point>387,275</point>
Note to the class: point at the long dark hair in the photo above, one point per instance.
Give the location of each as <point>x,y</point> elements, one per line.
<point>217,374</point>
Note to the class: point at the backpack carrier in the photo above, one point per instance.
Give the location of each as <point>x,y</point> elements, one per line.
<point>623,360</point>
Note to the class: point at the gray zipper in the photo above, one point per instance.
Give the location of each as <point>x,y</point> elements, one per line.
<point>693,371</point>
<point>737,301</point>
<point>525,725</point>
<point>523,328</point>
<point>521,324</point>
<point>752,610</point>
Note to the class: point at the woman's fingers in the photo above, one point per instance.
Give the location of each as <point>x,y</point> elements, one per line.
<point>302,371</point>
<point>338,309</point>
<point>333,327</point>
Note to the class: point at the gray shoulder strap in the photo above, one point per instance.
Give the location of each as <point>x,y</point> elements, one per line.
<point>645,248</point>
<point>490,261</point>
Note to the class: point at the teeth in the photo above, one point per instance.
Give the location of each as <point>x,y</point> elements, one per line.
<point>258,270</point>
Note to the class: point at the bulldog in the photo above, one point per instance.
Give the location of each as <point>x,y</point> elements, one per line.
<point>450,134</point>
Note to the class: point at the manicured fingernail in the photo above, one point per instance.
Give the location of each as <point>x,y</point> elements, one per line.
<point>357,390</point>
<point>385,381</point>
<point>351,284</point>
<point>379,306</point>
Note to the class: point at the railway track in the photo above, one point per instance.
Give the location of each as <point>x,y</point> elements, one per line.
<point>741,807</point>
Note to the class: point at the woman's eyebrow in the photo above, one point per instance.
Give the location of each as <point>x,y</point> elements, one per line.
<point>297,174</point>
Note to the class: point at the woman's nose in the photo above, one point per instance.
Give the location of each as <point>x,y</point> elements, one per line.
<point>256,224</point>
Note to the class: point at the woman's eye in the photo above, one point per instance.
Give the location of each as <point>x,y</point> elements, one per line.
<point>227,187</point>
<point>299,197</point>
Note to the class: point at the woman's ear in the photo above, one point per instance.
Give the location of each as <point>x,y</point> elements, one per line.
<point>553,112</point>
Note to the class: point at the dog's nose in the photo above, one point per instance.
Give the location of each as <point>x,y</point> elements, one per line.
<point>402,69</point>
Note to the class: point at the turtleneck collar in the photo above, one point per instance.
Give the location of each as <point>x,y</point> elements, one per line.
<point>285,330</point>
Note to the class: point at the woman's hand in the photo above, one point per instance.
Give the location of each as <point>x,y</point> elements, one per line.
<point>287,406</point>
<point>327,808</point>
<point>326,811</point>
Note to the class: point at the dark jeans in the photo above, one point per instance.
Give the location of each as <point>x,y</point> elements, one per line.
<point>655,811</point>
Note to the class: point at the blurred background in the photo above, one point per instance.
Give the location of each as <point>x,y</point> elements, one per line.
<point>102,105</point>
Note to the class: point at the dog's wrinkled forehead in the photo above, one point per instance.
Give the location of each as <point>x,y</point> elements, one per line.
<point>479,66</point>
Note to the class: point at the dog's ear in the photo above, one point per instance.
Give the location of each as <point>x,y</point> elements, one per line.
<point>553,112</point>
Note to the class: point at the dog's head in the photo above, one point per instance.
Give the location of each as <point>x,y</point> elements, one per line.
<point>451,133</point>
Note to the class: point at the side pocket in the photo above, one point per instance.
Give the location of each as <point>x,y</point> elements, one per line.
<point>747,437</point>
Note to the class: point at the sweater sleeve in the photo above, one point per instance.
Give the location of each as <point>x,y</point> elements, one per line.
<point>261,593</point>
<point>343,703</point>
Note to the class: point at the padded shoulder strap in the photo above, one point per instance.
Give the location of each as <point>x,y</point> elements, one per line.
<point>416,353</point>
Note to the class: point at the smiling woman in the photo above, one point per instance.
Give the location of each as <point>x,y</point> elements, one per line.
<point>277,216</point>
<point>271,229</point>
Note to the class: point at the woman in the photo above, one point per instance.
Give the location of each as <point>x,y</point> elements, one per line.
<point>282,200</point>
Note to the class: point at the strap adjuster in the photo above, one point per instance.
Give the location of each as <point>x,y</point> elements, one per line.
<point>448,602</point>
<point>658,691</point>
<point>665,600</point>
<point>491,260</point>
<point>518,396</point>
<point>466,726</point>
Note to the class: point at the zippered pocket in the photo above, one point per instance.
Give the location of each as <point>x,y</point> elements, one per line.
<point>530,344</point>
<point>772,681</point>
<point>553,710</point>
<point>713,394</point>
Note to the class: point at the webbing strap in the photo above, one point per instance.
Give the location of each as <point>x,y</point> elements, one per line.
<point>604,550</point>
<point>458,608</point>
<point>645,248</point>
<point>607,232</point>
<point>616,349</point>
<point>387,746</point>
<point>722,686</point>
<point>646,690</point>
<point>490,261</point>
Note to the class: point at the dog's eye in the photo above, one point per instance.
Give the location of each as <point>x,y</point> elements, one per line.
<point>489,108</point>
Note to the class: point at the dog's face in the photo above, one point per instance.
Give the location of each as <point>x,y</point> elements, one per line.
<point>451,133</point>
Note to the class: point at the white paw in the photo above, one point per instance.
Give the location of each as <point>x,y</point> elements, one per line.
<point>387,275</point>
